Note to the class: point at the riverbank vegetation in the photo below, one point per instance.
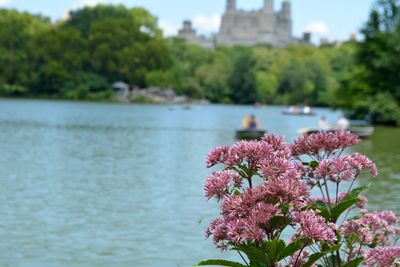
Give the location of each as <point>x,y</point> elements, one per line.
<point>81,56</point>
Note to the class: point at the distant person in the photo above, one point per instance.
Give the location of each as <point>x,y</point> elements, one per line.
<point>253,123</point>
<point>323,124</point>
<point>343,123</point>
<point>250,122</point>
<point>306,110</point>
<point>245,122</point>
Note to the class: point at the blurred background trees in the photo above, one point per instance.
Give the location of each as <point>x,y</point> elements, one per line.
<point>78,58</point>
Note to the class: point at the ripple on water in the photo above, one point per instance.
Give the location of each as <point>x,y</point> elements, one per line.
<point>121,185</point>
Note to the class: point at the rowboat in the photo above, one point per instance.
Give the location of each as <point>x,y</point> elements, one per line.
<point>298,113</point>
<point>249,134</point>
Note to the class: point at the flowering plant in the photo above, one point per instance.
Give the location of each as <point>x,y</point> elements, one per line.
<point>265,188</point>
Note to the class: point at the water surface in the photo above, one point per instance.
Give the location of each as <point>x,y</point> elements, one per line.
<point>87,184</point>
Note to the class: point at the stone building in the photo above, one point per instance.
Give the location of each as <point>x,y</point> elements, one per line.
<point>239,27</point>
<point>263,26</point>
<point>189,34</point>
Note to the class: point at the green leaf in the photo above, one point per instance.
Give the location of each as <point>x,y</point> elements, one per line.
<point>354,263</point>
<point>312,259</point>
<point>333,261</point>
<point>342,207</point>
<point>285,209</point>
<point>329,249</point>
<point>273,248</point>
<point>323,211</point>
<point>278,221</point>
<point>220,263</point>
<point>291,249</point>
<point>314,164</point>
<point>356,192</point>
<point>236,192</point>
<point>256,255</point>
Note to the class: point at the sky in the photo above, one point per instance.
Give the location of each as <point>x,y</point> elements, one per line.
<point>332,20</point>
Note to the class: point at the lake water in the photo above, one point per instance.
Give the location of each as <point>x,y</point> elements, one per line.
<point>88,184</point>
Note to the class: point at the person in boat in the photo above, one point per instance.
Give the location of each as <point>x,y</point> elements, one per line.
<point>293,110</point>
<point>250,122</point>
<point>323,124</point>
<point>343,123</point>
<point>306,110</point>
<point>253,123</point>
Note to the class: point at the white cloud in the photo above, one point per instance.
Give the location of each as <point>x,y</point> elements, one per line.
<point>168,28</point>
<point>207,24</point>
<point>317,27</point>
<point>4,2</point>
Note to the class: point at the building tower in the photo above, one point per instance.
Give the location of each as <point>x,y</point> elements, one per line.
<point>231,5</point>
<point>286,9</point>
<point>268,6</point>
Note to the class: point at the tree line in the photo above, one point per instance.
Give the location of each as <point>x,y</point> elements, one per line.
<point>79,57</point>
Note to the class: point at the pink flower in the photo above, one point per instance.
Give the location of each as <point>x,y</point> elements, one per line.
<point>217,155</point>
<point>382,256</point>
<point>244,218</point>
<point>372,227</point>
<point>218,229</point>
<point>361,162</point>
<point>287,189</point>
<point>280,148</point>
<point>276,167</point>
<point>218,184</point>
<point>345,168</point>
<point>314,227</point>
<point>250,152</point>
<point>328,142</point>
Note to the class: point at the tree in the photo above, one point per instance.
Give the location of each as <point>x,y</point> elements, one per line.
<point>59,53</point>
<point>242,79</point>
<point>17,31</point>
<point>375,79</point>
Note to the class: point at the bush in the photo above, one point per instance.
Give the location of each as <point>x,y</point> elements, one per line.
<point>85,86</point>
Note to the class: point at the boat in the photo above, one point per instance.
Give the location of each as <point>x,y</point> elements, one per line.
<point>298,113</point>
<point>249,134</point>
<point>361,132</point>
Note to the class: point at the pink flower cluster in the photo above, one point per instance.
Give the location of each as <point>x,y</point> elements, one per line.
<point>286,190</point>
<point>382,257</point>
<point>313,227</point>
<point>345,168</point>
<point>283,193</point>
<point>250,152</point>
<point>375,227</point>
<point>327,142</point>
<point>243,218</point>
<point>219,184</point>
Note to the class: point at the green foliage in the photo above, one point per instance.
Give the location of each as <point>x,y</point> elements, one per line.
<point>17,31</point>
<point>105,42</point>
<point>86,86</point>
<point>373,89</point>
<point>122,44</point>
<point>242,79</point>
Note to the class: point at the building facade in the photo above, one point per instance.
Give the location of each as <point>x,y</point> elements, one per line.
<point>249,28</point>
<point>263,26</point>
